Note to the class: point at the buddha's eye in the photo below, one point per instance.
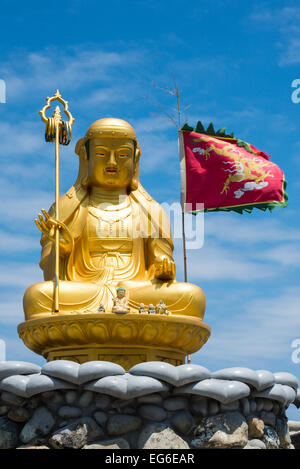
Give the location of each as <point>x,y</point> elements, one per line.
<point>124,154</point>
<point>100,154</point>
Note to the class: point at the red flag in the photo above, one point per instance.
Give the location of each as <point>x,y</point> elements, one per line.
<point>225,174</point>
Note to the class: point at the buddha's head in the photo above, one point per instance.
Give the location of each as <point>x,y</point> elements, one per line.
<point>109,155</point>
<point>121,292</point>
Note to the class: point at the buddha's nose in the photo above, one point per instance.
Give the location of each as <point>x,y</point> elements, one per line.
<point>112,159</point>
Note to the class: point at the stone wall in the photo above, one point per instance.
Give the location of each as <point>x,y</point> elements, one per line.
<point>153,406</point>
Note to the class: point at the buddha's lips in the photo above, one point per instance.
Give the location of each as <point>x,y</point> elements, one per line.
<point>111,170</point>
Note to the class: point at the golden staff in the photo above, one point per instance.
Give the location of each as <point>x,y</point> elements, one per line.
<point>59,131</point>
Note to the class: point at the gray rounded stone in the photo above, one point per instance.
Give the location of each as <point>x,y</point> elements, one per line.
<point>191,373</point>
<point>127,386</point>
<point>27,386</point>
<point>94,430</point>
<point>73,436</point>
<point>18,414</point>
<point>231,407</point>
<point>213,407</point>
<point>33,403</point>
<point>269,418</point>
<point>85,399</point>
<point>69,412</point>
<point>224,391</point>
<point>276,392</point>
<point>152,412</point>
<point>92,370</point>
<point>267,405</point>
<point>244,375</point>
<point>175,403</point>
<point>290,394</point>
<point>10,368</point>
<point>160,436</point>
<point>255,444</point>
<point>8,433</point>
<point>42,383</point>
<point>245,406</point>
<point>253,407</point>
<point>271,438</point>
<point>100,417</point>
<point>225,431</point>
<point>62,369</point>
<point>4,409</point>
<point>199,406</point>
<point>150,399</point>
<point>287,379</point>
<point>129,410</point>
<point>41,423</point>
<point>122,424</point>
<point>76,434</point>
<point>71,397</point>
<point>282,429</point>
<point>265,378</point>
<point>11,398</point>
<point>113,443</point>
<point>102,401</point>
<point>159,370</point>
<point>259,404</point>
<point>53,398</point>
<point>276,408</point>
<point>183,421</point>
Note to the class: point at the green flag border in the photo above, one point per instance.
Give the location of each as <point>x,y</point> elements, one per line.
<point>249,207</point>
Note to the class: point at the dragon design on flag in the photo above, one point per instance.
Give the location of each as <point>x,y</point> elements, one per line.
<point>241,168</point>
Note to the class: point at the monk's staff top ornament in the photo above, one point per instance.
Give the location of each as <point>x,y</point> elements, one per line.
<point>59,131</point>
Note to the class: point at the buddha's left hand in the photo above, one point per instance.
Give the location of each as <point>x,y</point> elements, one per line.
<point>165,269</point>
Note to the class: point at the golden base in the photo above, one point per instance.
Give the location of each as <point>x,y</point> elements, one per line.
<point>126,339</point>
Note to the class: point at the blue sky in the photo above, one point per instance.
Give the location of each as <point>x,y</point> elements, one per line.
<point>234,63</point>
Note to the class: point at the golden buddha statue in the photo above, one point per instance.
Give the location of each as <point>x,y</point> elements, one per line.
<point>112,235</point>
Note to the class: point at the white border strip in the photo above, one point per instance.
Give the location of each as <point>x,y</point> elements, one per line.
<point>182,169</point>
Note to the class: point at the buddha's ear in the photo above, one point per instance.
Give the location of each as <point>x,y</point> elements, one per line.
<point>80,150</point>
<point>137,154</point>
<point>135,179</point>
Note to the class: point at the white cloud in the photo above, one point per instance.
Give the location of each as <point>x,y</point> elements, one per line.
<point>16,243</point>
<point>258,336</point>
<point>246,228</point>
<point>21,204</point>
<point>16,350</point>
<point>11,313</point>
<point>21,138</point>
<point>284,20</point>
<point>19,275</point>
<point>158,153</point>
<point>216,262</point>
<point>70,69</point>
<point>288,255</point>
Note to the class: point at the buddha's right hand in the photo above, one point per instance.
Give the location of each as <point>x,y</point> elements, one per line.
<point>48,226</point>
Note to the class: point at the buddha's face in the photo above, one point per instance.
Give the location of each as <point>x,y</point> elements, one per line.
<point>111,162</point>
<point>120,294</point>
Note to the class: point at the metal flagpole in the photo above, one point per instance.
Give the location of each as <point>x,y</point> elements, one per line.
<point>182,201</point>
<point>182,166</point>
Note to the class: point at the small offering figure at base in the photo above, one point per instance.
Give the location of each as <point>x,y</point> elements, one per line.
<point>101,308</point>
<point>151,309</point>
<point>142,309</point>
<point>120,302</point>
<point>161,308</point>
